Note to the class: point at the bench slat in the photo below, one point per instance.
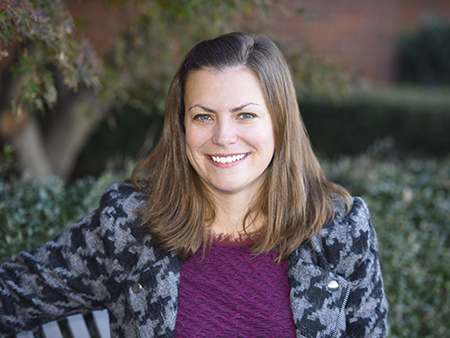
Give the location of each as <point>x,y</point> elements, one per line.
<point>78,326</point>
<point>101,319</point>
<point>51,330</point>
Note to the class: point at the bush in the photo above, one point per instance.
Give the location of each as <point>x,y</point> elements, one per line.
<point>33,211</point>
<point>410,206</point>
<point>415,121</point>
<point>409,202</point>
<point>424,56</point>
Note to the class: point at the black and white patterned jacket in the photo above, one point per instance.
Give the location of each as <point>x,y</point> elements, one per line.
<point>105,261</point>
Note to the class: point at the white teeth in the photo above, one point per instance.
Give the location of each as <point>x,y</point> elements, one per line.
<point>228,159</point>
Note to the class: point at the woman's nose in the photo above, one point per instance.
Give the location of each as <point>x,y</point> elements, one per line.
<point>224,133</point>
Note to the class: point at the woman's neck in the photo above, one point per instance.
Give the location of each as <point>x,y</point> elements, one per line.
<point>230,214</point>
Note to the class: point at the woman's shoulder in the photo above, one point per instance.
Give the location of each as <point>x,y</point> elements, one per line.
<point>119,206</point>
<point>123,194</point>
<point>345,240</point>
<point>121,200</point>
<point>347,223</point>
<point>115,217</point>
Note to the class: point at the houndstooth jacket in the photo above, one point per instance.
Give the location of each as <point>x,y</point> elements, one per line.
<point>106,261</point>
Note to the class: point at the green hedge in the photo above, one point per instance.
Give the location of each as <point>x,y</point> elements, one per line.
<point>410,206</point>
<point>409,201</point>
<point>424,56</point>
<point>412,121</point>
<point>33,211</point>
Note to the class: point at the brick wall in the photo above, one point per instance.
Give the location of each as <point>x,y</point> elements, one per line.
<point>360,34</point>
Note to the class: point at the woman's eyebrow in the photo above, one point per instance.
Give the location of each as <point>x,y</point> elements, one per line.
<point>209,110</point>
<point>232,110</point>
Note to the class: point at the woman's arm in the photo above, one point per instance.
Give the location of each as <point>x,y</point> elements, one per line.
<point>76,272</point>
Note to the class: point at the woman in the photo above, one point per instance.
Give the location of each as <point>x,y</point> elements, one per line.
<point>227,229</point>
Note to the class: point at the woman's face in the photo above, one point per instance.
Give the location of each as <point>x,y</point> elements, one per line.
<point>229,134</point>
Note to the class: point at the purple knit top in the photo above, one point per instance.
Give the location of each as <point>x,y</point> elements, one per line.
<point>230,293</point>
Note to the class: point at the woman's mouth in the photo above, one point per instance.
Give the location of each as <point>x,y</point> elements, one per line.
<point>227,159</point>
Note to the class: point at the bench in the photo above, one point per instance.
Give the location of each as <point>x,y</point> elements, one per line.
<point>77,326</point>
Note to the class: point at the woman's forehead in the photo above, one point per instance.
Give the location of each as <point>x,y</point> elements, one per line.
<point>231,88</point>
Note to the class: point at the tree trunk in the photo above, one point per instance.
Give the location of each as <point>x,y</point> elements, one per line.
<point>28,145</point>
<point>22,132</point>
<point>56,151</point>
<point>69,131</point>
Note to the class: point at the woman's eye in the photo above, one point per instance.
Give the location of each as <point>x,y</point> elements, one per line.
<point>202,118</point>
<point>246,116</point>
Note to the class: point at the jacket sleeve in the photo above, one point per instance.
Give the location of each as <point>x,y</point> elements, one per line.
<point>76,272</point>
<point>367,307</point>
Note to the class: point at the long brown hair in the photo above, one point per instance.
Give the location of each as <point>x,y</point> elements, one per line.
<point>295,199</point>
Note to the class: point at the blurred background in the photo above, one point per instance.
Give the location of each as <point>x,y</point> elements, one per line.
<point>82,95</point>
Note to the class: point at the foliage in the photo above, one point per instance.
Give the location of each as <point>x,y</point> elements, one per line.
<point>409,202</point>
<point>410,207</point>
<point>424,56</point>
<point>33,211</point>
<point>411,121</point>
<point>312,73</point>
<point>45,31</point>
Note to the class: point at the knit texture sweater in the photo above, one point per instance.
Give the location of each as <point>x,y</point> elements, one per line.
<point>232,293</point>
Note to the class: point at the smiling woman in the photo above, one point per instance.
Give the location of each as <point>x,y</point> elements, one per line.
<point>229,134</point>
<point>276,190</point>
<point>228,228</point>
